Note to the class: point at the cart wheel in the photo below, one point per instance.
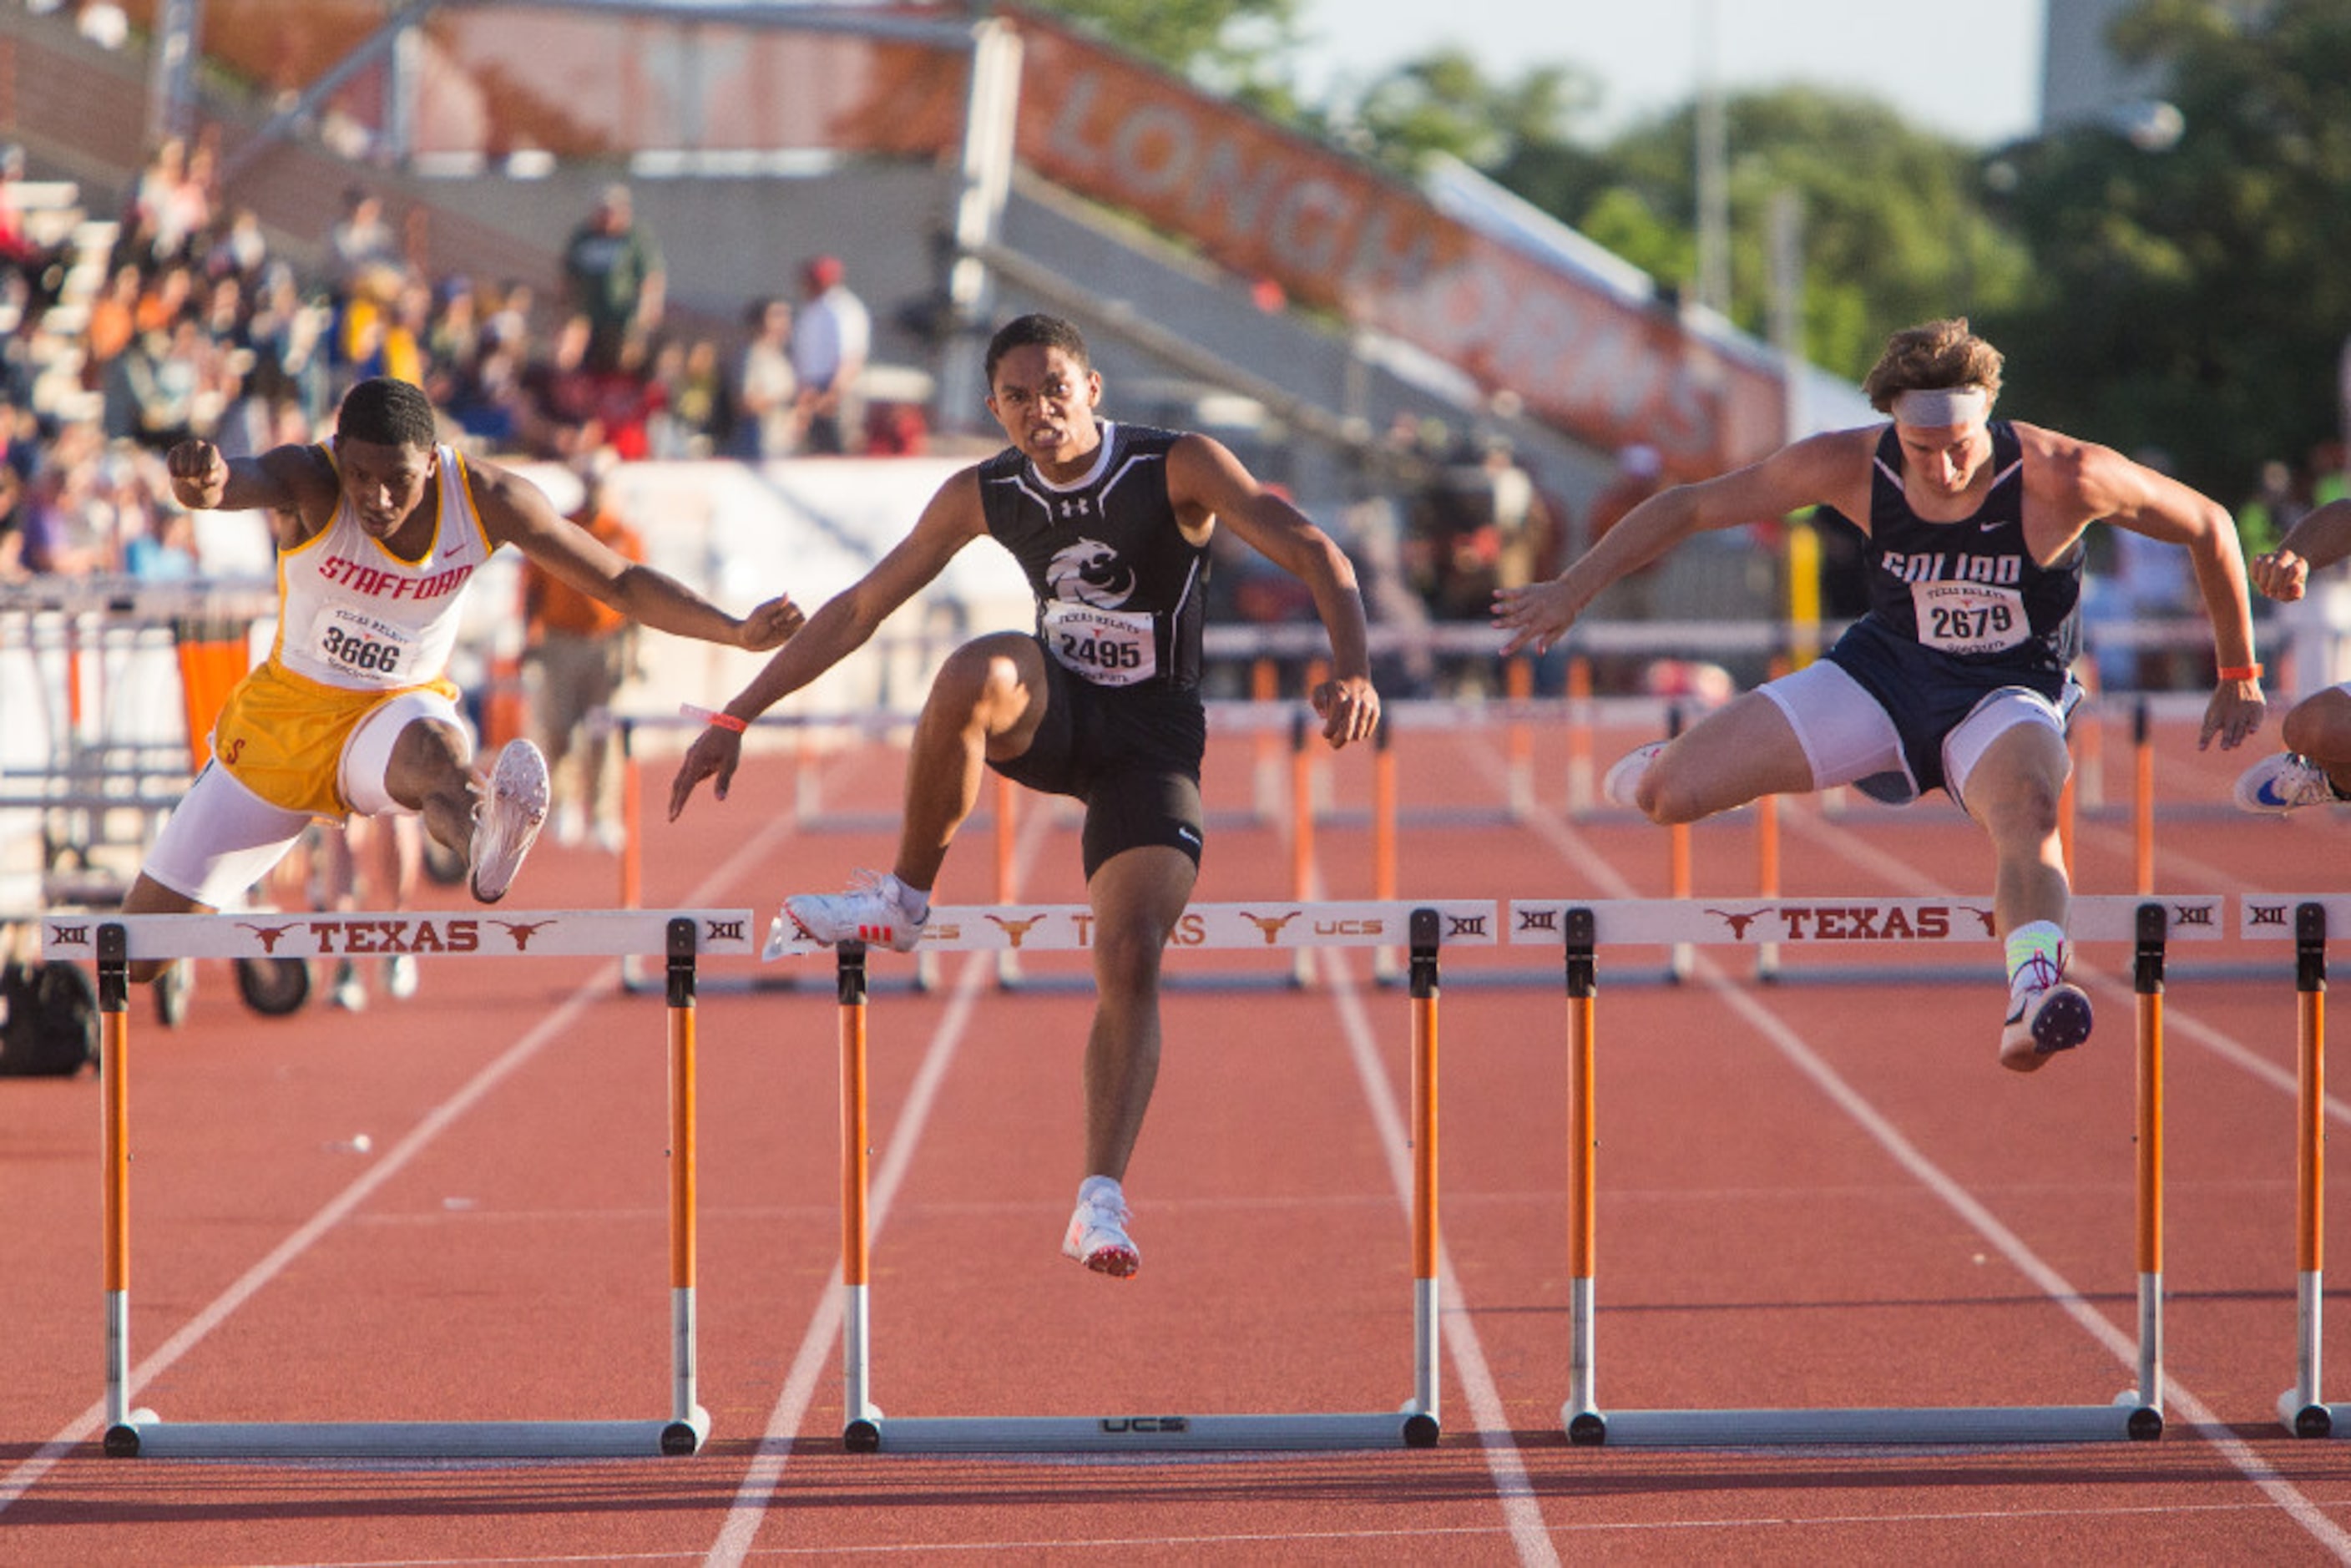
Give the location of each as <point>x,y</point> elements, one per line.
<point>273,987</point>
<point>176,988</point>
<point>445,865</point>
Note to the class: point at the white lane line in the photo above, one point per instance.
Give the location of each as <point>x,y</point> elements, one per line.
<point>2289,1498</point>
<point>818,1342</point>
<point>1522,1512</point>
<point>597,988</point>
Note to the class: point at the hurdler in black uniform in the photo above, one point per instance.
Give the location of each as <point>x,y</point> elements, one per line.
<point>1120,596</point>
<point>1956,611</point>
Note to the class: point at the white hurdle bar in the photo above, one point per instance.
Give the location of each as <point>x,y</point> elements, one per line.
<point>2306,919</point>
<point>113,943</point>
<point>1426,926</point>
<point>2134,1414</point>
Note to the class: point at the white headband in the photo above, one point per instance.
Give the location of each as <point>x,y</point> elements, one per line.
<point>1935,407</point>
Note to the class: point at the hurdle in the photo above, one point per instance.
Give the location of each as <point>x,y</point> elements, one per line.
<point>681,935</point>
<point>2306,919</point>
<point>1067,927</point>
<point>2137,1413</point>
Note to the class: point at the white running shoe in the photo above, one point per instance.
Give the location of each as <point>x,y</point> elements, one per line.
<point>873,910</point>
<point>2042,1021</point>
<point>1622,786</point>
<point>400,977</point>
<point>350,992</point>
<point>2285,782</point>
<point>508,819</point>
<point>1097,1235</point>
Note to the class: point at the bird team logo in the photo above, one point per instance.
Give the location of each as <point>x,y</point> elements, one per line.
<point>1089,572</point>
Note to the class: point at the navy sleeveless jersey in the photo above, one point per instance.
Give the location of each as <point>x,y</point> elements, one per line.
<point>1118,587</point>
<point>1969,591</point>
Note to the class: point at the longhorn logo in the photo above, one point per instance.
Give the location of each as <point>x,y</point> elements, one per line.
<point>1016,930</point>
<point>1984,916</point>
<point>1737,922</point>
<point>269,934</point>
<point>522,931</point>
<point>1270,925</point>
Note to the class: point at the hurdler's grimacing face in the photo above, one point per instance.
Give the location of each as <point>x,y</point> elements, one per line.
<point>1044,398</point>
<point>383,484</point>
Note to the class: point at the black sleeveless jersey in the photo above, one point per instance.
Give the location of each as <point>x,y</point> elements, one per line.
<point>1969,589</point>
<point>1118,587</point>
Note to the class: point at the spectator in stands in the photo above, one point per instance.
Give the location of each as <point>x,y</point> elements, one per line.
<point>361,242</point>
<point>578,650</point>
<point>830,340</point>
<point>239,251</point>
<point>113,322</point>
<point>694,411</point>
<point>562,394</point>
<point>61,533</point>
<point>613,276</point>
<point>767,393</point>
<point>40,268</point>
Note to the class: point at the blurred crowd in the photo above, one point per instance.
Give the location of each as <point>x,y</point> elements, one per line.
<point>193,326</point>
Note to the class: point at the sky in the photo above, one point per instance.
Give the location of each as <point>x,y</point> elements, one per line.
<point>1971,71</point>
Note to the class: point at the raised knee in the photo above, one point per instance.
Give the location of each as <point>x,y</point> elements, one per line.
<point>1665,798</point>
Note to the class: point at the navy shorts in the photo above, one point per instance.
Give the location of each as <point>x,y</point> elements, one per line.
<point>1131,753</point>
<point>1926,694</point>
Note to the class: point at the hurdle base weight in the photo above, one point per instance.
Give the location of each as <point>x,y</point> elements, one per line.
<point>1406,1429</point>
<point>2312,1419</point>
<point>143,1435</point>
<point>2124,1421</point>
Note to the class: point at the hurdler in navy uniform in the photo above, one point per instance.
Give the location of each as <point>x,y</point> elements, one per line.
<point>1959,676</point>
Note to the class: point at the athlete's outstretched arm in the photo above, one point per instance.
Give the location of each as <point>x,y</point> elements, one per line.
<point>516,512</point>
<point>2313,544</point>
<point>839,628</point>
<point>1816,470</point>
<point>2132,495</point>
<point>1205,478</point>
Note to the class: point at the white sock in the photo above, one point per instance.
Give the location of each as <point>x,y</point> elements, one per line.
<point>914,903</point>
<point>1101,1189</point>
<point>2036,955</point>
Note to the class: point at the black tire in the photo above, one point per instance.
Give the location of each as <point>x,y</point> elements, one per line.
<point>445,865</point>
<point>274,987</point>
<point>176,991</point>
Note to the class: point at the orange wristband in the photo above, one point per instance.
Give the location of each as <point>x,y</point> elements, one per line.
<point>710,716</point>
<point>2241,673</point>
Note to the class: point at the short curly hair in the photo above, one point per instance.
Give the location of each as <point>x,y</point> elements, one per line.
<point>388,413</point>
<point>1932,357</point>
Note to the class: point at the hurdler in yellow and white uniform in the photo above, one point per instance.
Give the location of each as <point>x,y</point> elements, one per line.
<point>363,649</point>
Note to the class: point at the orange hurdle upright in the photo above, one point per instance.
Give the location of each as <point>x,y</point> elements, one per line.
<point>2137,1413</point>
<point>1414,1426</point>
<point>2301,1407</point>
<point>133,1432</point>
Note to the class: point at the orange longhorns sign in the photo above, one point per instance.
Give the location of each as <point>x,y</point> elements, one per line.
<point>1334,234</point>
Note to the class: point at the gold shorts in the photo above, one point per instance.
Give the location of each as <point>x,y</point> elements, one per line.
<point>282,735</point>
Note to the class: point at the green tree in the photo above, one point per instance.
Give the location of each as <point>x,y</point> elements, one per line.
<point>1238,47</point>
<point>1894,225</point>
<point>2194,297</point>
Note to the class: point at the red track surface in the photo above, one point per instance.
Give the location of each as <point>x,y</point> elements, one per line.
<point>1809,1195</point>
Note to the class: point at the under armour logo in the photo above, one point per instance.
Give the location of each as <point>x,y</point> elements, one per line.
<point>1078,506</point>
